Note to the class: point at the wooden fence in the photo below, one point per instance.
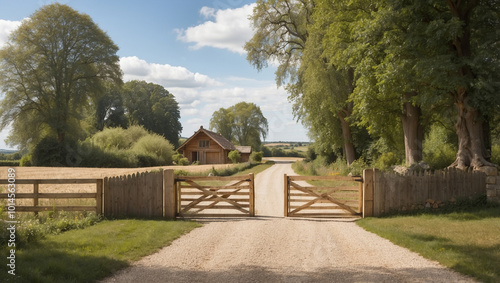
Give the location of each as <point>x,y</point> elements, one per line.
<point>337,196</point>
<point>386,191</point>
<point>136,195</point>
<point>35,195</point>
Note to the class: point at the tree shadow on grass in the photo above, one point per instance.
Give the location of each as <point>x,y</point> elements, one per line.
<point>46,263</point>
<point>258,273</point>
<point>473,260</point>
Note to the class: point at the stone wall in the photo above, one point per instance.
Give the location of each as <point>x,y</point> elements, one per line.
<point>492,183</point>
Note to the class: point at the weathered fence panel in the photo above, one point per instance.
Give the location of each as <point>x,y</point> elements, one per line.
<point>388,191</point>
<point>136,195</point>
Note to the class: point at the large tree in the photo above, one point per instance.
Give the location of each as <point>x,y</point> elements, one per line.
<point>282,31</point>
<point>244,121</point>
<point>50,69</point>
<point>153,107</point>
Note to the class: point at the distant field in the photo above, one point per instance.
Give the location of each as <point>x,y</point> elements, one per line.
<point>283,145</point>
<point>91,173</point>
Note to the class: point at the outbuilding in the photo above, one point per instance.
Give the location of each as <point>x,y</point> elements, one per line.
<point>207,147</point>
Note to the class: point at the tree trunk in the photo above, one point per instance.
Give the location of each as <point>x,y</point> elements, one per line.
<point>471,146</point>
<point>413,130</point>
<point>350,153</point>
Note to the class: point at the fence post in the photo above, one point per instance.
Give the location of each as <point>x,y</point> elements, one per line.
<point>286,195</point>
<point>252,195</point>
<point>169,194</point>
<point>35,196</point>
<point>368,192</point>
<point>98,197</point>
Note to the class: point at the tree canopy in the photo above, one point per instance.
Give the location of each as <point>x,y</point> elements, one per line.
<point>391,67</point>
<point>242,123</point>
<point>53,65</point>
<point>152,106</point>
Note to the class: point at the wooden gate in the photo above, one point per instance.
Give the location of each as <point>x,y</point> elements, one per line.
<point>210,196</point>
<point>323,196</point>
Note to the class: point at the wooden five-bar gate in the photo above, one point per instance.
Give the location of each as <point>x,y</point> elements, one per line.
<point>329,196</point>
<point>199,196</point>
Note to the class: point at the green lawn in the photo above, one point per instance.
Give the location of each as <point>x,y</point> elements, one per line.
<point>468,242</point>
<point>92,253</point>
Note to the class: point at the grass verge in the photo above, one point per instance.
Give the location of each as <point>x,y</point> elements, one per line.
<point>466,241</point>
<point>92,253</point>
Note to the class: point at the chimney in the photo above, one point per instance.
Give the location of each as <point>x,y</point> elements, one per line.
<point>201,127</point>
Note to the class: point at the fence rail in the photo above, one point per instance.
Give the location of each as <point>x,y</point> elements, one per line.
<point>36,195</point>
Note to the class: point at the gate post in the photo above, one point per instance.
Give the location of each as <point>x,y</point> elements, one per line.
<point>285,181</point>
<point>251,208</point>
<point>368,192</point>
<point>169,197</point>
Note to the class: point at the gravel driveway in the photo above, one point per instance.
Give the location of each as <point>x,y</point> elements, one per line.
<point>270,248</point>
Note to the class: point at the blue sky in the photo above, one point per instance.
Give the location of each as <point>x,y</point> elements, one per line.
<point>193,48</point>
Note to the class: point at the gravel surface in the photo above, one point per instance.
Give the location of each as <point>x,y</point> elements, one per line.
<point>270,248</point>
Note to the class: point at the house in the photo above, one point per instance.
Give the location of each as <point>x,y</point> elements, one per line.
<point>208,147</point>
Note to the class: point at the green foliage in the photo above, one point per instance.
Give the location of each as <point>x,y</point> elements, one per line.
<point>31,228</point>
<point>153,107</point>
<point>49,152</point>
<point>386,160</point>
<point>243,123</point>
<point>26,160</point>
<point>179,159</point>
<point>256,156</point>
<point>234,156</point>
<point>155,146</point>
<point>132,147</point>
<point>439,151</point>
<point>495,154</point>
<point>54,44</point>
<point>10,163</point>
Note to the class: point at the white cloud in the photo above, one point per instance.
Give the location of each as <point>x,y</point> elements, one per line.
<point>163,74</point>
<point>6,27</point>
<point>230,29</point>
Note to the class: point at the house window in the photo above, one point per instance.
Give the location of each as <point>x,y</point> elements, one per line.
<point>204,143</point>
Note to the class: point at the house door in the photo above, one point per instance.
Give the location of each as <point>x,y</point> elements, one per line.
<point>194,156</point>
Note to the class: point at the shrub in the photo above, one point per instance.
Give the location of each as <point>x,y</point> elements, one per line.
<point>49,152</point>
<point>386,160</point>
<point>495,154</point>
<point>438,150</point>
<point>183,161</point>
<point>155,146</point>
<point>111,138</point>
<point>26,160</point>
<point>256,156</point>
<point>234,156</point>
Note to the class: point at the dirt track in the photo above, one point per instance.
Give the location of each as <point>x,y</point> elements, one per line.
<point>270,248</point>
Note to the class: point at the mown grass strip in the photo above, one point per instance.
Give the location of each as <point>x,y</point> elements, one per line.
<point>468,242</point>
<point>92,253</point>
